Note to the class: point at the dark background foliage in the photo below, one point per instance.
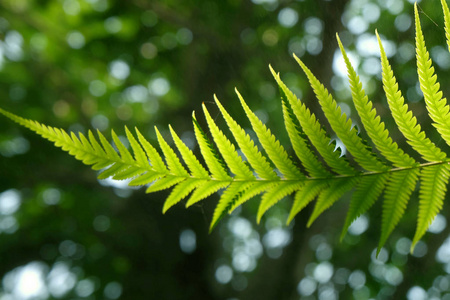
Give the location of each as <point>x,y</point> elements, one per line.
<point>101,64</point>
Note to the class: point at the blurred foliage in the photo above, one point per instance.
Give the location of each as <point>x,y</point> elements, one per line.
<point>80,64</point>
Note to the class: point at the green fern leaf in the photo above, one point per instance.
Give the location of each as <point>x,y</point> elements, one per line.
<point>434,180</point>
<point>214,162</point>
<point>174,164</point>
<point>111,154</point>
<point>275,194</point>
<point>89,158</point>
<point>205,190</point>
<point>371,122</point>
<point>315,133</point>
<point>228,151</point>
<point>164,183</point>
<point>153,155</point>
<point>145,178</point>
<point>398,191</point>
<point>100,163</point>
<point>125,171</point>
<point>254,157</point>
<point>341,125</point>
<point>369,189</point>
<point>111,170</point>
<point>86,155</point>
<point>329,196</point>
<point>308,159</point>
<point>139,154</point>
<point>446,21</point>
<point>436,105</point>
<point>257,188</point>
<point>181,191</point>
<point>124,153</point>
<point>197,170</point>
<point>271,145</point>
<point>305,195</point>
<point>406,122</point>
<point>229,196</point>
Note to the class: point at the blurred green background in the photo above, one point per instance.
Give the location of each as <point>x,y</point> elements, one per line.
<point>102,64</point>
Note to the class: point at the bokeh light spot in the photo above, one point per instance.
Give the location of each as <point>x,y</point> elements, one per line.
<point>60,280</point>
<point>224,274</point>
<point>323,272</point>
<point>287,17</point>
<point>416,293</point>
<point>188,241</point>
<point>10,201</point>
<point>357,25</point>
<point>51,196</point>
<point>270,37</point>
<point>85,288</point>
<point>357,279</point>
<point>113,25</point>
<point>71,7</point>
<point>101,223</point>
<point>149,50</point>
<point>159,86</point>
<point>313,26</point>
<point>97,88</point>
<point>119,69</point>
<point>307,286</point>
<point>113,290</point>
<point>359,226</point>
<point>75,39</point>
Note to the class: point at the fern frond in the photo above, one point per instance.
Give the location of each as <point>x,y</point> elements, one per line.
<point>434,180</point>
<point>371,121</point>
<point>275,194</point>
<point>405,120</point>
<point>228,198</point>
<point>197,170</point>
<point>251,152</point>
<point>145,178</point>
<point>258,188</point>
<point>398,191</point>
<point>305,195</point>
<point>181,191</point>
<point>341,125</point>
<point>172,160</point>
<point>329,196</point>
<point>139,154</point>
<point>163,183</point>
<point>212,159</point>
<point>110,152</point>
<point>228,151</point>
<point>97,164</point>
<point>152,154</point>
<point>88,153</point>
<point>325,174</point>
<point>436,104</point>
<point>271,145</point>
<point>367,192</point>
<point>447,22</point>
<point>308,159</point>
<point>315,133</point>
<point>205,190</point>
<point>123,151</point>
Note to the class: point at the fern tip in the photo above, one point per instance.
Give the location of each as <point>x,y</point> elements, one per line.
<point>343,234</point>
<point>237,92</point>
